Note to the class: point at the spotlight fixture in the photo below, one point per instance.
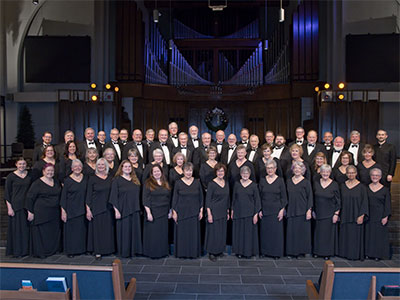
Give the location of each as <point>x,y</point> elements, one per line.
<point>341,85</point>
<point>108,86</point>
<point>327,85</point>
<point>156,14</point>
<point>35,2</point>
<point>93,85</point>
<point>116,89</point>
<point>316,89</point>
<point>281,14</point>
<point>340,96</point>
<point>94,98</point>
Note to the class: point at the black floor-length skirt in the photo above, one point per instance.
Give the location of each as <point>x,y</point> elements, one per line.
<point>271,236</point>
<point>325,238</point>
<point>101,237</point>
<point>18,234</point>
<point>129,235</point>
<point>351,241</point>
<point>187,238</point>
<point>298,236</point>
<point>377,240</point>
<point>46,238</point>
<point>215,238</point>
<point>75,235</point>
<point>245,237</point>
<point>155,237</point>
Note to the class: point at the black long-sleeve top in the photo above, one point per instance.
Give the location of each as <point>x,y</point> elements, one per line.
<point>246,201</point>
<point>125,196</point>
<point>97,195</point>
<point>354,203</point>
<point>326,200</point>
<point>300,197</point>
<point>379,204</point>
<point>218,199</point>
<point>73,197</point>
<point>158,201</point>
<point>16,190</point>
<point>273,196</point>
<point>187,199</point>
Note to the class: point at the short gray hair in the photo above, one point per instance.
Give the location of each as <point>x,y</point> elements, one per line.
<point>245,169</point>
<point>76,162</point>
<point>105,162</point>
<point>325,167</point>
<point>158,151</point>
<point>271,162</point>
<point>301,165</point>
<point>376,170</point>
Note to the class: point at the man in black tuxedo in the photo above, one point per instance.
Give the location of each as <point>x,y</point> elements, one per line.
<point>244,138</point>
<point>123,137</point>
<point>163,145</point>
<point>115,144</point>
<point>150,134</point>
<point>299,137</point>
<point>194,140</point>
<point>46,141</point>
<point>269,138</point>
<point>137,144</point>
<point>200,153</point>
<point>311,147</point>
<point>280,150</point>
<point>385,155</point>
<point>228,153</point>
<point>89,142</point>
<point>60,148</point>
<point>183,147</point>
<point>355,147</point>
<point>254,152</point>
<point>173,140</point>
<point>333,155</point>
<point>328,141</point>
<point>101,138</point>
<point>219,142</point>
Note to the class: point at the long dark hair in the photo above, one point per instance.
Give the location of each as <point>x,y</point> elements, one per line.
<point>151,182</point>
<point>67,144</point>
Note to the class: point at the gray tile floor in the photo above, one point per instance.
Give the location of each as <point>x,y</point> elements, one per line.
<point>228,278</point>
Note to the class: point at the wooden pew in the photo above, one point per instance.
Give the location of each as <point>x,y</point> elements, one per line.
<point>88,282</point>
<point>351,283</point>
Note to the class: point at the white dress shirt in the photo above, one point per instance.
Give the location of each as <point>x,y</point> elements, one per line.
<point>117,148</point>
<point>335,156</point>
<point>166,154</point>
<point>310,148</point>
<point>277,152</point>
<point>354,150</point>
<point>195,143</point>
<point>230,152</point>
<point>91,144</point>
<point>252,154</point>
<point>175,141</point>
<point>139,146</point>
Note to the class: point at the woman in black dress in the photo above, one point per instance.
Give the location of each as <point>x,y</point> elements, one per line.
<point>207,172</point>
<point>326,209</point>
<point>339,174</point>
<point>158,156</point>
<point>100,214</point>
<point>261,161</point>
<point>364,167</point>
<point>235,166</point>
<point>70,153</point>
<point>187,211</point>
<point>133,157</point>
<point>300,203</point>
<point>125,198</point>
<point>376,228</point>
<point>273,202</point>
<point>156,201</point>
<point>217,205</point>
<point>17,186</point>
<point>176,172</point>
<point>89,167</point>
<point>246,205</point>
<point>73,210</point>
<point>354,209</point>
<point>296,152</point>
<point>43,204</point>
<point>319,160</point>
<point>48,157</point>
<point>109,155</point>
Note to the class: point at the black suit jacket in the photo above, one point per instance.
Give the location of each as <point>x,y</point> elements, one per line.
<point>190,142</point>
<point>112,146</point>
<point>294,142</point>
<point>248,144</point>
<point>170,142</point>
<point>386,156</point>
<point>102,147</point>
<point>329,157</point>
<point>199,156</point>
<point>224,155</point>
<point>257,155</point>
<point>310,158</point>
<point>215,144</point>
<point>83,148</point>
<point>189,152</point>
<point>361,146</point>
<point>38,152</point>
<point>157,145</point>
<point>132,145</point>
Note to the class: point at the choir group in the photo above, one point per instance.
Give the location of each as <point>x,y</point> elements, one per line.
<point>139,197</point>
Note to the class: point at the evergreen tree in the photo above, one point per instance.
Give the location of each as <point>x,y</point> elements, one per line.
<point>26,134</point>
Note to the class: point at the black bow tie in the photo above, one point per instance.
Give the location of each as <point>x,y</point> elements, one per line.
<point>195,139</point>
<point>299,141</point>
<point>183,147</point>
<point>243,142</point>
<point>174,136</point>
<point>254,149</point>
<point>327,145</point>
<point>354,146</point>
<point>115,143</point>
<point>337,151</point>
<point>163,144</point>
<point>124,142</point>
<point>232,148</point>
<point>91,143</point>
<point>219,144</point>
<point>139,144</point>
<point>278,148</point>
<point>311,145</point>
